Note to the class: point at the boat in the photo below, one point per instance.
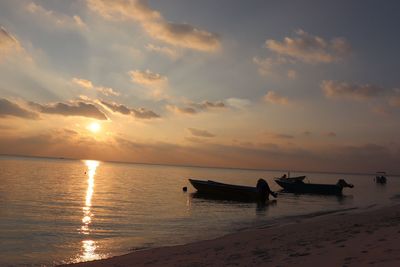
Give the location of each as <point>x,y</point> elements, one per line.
<point>380,177</point>
<point>233,192</point>
<point>295,178</point>
<point>298,186</point>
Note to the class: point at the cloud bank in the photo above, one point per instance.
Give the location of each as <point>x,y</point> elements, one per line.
<point>140,113</point>
<point>70,109</point>
<point>8,108</point>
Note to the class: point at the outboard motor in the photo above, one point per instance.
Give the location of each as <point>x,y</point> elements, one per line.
<point>342,183</point>
<point>263,188</point>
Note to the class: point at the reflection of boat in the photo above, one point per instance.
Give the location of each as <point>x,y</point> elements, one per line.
<point>298,186</point>
<point>380,178</point>
<point>218,190</point>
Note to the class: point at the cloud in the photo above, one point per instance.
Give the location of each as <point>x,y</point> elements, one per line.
<point>8,43</point>
<point>238,103</point>
<point>143,113</point>
<point>107,91</point>
<point>280,136</point>
<point>200,133</point>
<point>181,110</point>
<point>83,83</point>
<point>208,105</point>
<point>274,98</point>
<point>333,89</point>
<point>310,49</point>
<point>117,108</point>
<point>55,19</point>
<point>153,81</point>
<point>8,108</point>
<point>148,78</point>
<point>194,108</point>
<point>71,109</point>
<point>140,113</point>
<point>329,134</point>
<point>166,51</point>
<point>270,65</point>
<point>182,35</point>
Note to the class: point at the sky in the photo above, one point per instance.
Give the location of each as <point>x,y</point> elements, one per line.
<point>288,85</point>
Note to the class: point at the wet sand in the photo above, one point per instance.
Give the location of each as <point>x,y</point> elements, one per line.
<point>360,238</point>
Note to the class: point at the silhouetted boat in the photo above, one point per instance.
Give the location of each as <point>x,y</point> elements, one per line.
<point>233,192</point>
<point>380,178</point>
<point>298,186</point>
<point>295,178</point>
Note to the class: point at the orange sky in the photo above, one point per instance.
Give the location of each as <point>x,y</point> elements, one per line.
<point>180,83</point>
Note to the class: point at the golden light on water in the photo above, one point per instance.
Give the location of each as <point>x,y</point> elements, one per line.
<point>88,245</point>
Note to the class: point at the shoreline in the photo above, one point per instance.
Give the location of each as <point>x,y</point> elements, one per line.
<point>365,237</point>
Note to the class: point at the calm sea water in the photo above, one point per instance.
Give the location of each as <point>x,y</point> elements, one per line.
<point>57,211</point>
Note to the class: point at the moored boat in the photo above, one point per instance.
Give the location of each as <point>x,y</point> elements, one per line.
<point>233,192</point>
<point>295,178</point>
<point>380,178</point>
<point>298,186</point>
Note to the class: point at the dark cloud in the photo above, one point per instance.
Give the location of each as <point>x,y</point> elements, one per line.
<point>140,113</point>
<point>200,133</point>
<point>208,105</point>
<point>117,108</point>
<point>8,108</point>
<point>71,109</point>
<point>334,89</point>
<point>194,108</point>
<point>143,113</point>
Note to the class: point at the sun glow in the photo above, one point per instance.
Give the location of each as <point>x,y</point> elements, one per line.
<point>94,127</point>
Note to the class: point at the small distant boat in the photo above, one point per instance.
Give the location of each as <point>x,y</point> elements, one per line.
<point>233,192</point>
<point>298,186</point>
<point>380,178</point>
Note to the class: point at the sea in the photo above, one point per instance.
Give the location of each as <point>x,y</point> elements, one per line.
<point>55,211</point>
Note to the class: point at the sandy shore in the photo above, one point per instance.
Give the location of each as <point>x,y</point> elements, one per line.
<point>364,238</point>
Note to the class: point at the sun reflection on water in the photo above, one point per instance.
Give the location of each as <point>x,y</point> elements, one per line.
<point>89,246</point>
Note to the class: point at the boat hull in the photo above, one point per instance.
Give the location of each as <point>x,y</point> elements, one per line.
<point>306,188</point>
<point>218,190</point>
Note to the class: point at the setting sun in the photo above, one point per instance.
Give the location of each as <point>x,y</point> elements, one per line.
<point>94,127</point>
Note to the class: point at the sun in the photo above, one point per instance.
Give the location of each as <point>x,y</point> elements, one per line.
<point>94,127</point>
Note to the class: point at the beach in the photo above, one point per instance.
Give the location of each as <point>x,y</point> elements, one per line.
<point>369,237</point>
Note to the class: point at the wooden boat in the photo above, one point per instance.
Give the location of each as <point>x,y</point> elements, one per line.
<point>233,192</point>
<point>380,178</point>
<point>298,186</point>
<point>295,178</point>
